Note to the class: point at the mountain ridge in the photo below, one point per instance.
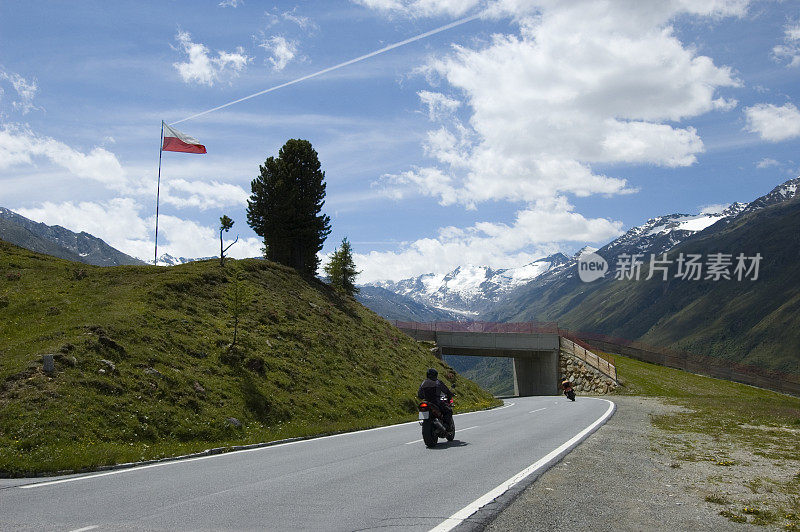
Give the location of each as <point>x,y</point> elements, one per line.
<point>60,242</point>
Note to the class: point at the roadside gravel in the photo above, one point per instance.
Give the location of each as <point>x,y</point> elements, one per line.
<point>615,480</point>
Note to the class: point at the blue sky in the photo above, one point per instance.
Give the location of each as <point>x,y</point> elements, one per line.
<point>538,127</point>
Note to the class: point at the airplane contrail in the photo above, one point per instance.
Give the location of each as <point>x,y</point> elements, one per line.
<point>336,67</point>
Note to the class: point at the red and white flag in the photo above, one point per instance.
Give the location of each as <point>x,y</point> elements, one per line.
<point>174,140</point>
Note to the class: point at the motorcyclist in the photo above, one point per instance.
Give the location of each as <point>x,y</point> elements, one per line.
<point>569,392</point>
<point>431,390</point>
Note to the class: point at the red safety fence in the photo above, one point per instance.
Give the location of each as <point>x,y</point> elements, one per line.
<point>479,326</point>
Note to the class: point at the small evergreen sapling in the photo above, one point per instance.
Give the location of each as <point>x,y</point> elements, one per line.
<point>225,224</point>
<point>341,269</point>
<point>237,298</point>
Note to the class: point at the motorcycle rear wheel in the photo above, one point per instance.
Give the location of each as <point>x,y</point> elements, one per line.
<point>429,434</point>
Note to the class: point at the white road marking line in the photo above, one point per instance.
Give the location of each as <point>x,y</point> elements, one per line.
<point>461,515</point>
<point>457,431</point>
<point>185,460</point>
<point>509,405</point>
<point>84,529</point>
<point>539,410</point>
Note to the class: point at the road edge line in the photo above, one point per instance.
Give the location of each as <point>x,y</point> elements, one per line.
<point>498,495</point>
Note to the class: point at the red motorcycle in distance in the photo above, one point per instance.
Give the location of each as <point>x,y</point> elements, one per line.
<point>432,422</point>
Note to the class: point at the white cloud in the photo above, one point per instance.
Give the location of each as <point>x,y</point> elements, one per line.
<point>187,238</point>
<point>533,234</point>
<point>644,12</point>
<point>202,68</point>
<point>202,195</point>
<point>119,223</point>
<point>303,22</point>
<point>26,91</point>
<point>21,146</point>
<point>766,162</point>
<point>231,3</point>
<point>283,51</point>
<point>422,8</point>
<point>439,105</point>
<point>640,13</point>
<point>583,83</point>
<point>789,51</point>
<point>773,123</point>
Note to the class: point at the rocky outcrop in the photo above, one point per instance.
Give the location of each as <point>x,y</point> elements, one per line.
<point>584,378</point>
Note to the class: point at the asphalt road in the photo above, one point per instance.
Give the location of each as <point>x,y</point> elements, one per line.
<point>377,479</point>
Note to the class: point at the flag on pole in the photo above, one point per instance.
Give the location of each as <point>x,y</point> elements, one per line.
<point>174,140</point>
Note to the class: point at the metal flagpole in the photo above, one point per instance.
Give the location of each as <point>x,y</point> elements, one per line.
<point>158,190</point>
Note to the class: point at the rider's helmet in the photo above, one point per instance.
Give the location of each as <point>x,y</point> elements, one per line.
<point>432,374</point>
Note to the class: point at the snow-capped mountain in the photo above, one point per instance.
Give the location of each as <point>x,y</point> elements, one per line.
<point>585,250</point>
<point>660,234</point>
<point>396,307</point>
<point>779,194</point>
<point>481,292</point>
<point>467,289</point>
<point>168,260</point>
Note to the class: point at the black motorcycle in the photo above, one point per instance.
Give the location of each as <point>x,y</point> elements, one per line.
<point>432,421</point>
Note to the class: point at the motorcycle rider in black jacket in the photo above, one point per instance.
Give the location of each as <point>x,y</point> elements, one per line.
<point>431,390</point>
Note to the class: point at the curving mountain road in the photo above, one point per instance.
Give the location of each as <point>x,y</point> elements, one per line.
<point>376,479</point>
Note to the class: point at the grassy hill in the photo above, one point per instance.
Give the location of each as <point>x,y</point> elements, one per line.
<point>144,367</point>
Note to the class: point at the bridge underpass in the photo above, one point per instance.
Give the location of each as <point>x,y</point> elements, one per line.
<point>535,356</point>
<point>534,349</point>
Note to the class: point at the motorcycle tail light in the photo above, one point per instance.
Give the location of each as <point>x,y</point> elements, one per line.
<point>423,405</point>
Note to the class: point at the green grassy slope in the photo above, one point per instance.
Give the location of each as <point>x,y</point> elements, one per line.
<point>308,361</point>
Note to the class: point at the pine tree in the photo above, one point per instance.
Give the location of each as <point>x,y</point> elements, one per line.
<point>342,270</point>
<point>285,204</point>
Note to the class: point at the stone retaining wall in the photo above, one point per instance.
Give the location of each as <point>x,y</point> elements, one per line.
<point>583,377</point>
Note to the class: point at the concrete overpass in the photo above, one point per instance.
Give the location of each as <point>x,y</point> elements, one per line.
<point>535,349</point>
